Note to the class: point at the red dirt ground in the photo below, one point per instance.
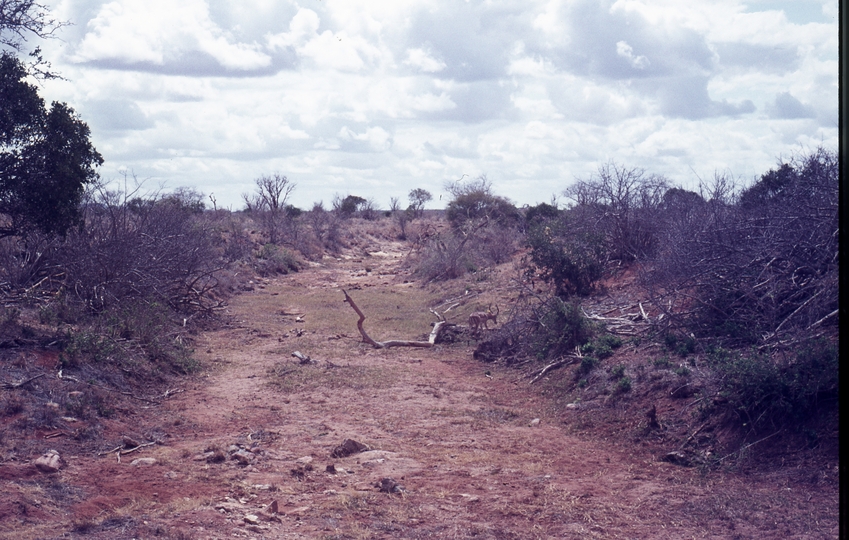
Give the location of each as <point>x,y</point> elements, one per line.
<point>476,451</point>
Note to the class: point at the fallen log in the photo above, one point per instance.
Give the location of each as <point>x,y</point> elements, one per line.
<point>434,334</point>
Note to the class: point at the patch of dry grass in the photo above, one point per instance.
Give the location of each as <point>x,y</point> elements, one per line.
<point>293,378</point>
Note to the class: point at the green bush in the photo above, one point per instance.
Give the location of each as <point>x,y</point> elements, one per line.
<point>662,362</point>
<point>87,346</point>
<point>571,262</point>
<point>560,329</point>
<point>681,346</point>
<point>133,331</point>
<point>617,372</point>
<point>764,391</point>
<point>682,371</point>
<point>603,346</point>
<point>588,363</point>
<point>549,329</point>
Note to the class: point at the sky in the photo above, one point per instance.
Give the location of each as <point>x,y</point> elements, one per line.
<point>375,98</point>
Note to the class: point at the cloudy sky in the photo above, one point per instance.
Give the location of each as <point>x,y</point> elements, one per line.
<point>374,98</point>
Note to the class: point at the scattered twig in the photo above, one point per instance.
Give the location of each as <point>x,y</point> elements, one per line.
<point>741,450</point>
<point>168,393</point>
<point>12,386</point>
<point>690,438</point>
<point>130,450</point>
<point>119,452</point>
<point>67,377</point>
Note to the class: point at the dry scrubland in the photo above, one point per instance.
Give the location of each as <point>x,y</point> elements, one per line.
<point>663,365</point>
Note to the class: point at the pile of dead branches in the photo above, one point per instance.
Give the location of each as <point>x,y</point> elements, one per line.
<point>761,268</point>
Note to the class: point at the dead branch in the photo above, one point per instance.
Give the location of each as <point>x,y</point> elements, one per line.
<point>12,386</point>
<point>395,342</point>
<point>554,365</point>
<point>119,452</point>
<point>690,438</point>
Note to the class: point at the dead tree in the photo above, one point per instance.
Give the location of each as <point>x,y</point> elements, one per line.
<point>396,342</point>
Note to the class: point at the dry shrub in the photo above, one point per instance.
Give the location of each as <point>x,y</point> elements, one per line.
<point>469,248</point>
<point>273,260</point>
<point>326,226</point>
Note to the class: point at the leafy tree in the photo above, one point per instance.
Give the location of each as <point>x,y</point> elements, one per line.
<point>772,185</point>
<point>46,158</point>
<point>349,205</point>
<point>20,19</point>
<point>541,213</point>
<point>474,202</point>
<point>418,198</point>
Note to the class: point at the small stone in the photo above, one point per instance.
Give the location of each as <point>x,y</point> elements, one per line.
<point>252,519</point>
<point>216,456</point>
<point>143,461</point>
<point>677,457</point>
<point>50,462</point>
<point>244,458</point>
<point>299,511</point>
<point>75,394</point>
<point>306,460</point>
<point>129,442</point>
<point>52,405</point>
<point>388,485</point>
<point>348,447</point>
<point>331,469</point>
<point>272,508</point>
<point>534,422</point>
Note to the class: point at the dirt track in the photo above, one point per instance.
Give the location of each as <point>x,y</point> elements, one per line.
<point>474,452</point>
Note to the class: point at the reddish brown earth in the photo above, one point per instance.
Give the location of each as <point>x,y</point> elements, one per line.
<point>476,451</point>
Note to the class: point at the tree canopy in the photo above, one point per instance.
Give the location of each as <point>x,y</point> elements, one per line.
<point>46,157</point>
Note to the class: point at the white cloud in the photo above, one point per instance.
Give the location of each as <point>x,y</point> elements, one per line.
<point>158,31</point>
<point>303,27</point>
<point>423,61</point>
<point>377,97</point>
<point>626,51</point>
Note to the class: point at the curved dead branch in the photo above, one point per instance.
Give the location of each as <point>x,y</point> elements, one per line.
<point>394,342</point>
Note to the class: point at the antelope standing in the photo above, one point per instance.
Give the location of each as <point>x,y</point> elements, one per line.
<point>482,318</point>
